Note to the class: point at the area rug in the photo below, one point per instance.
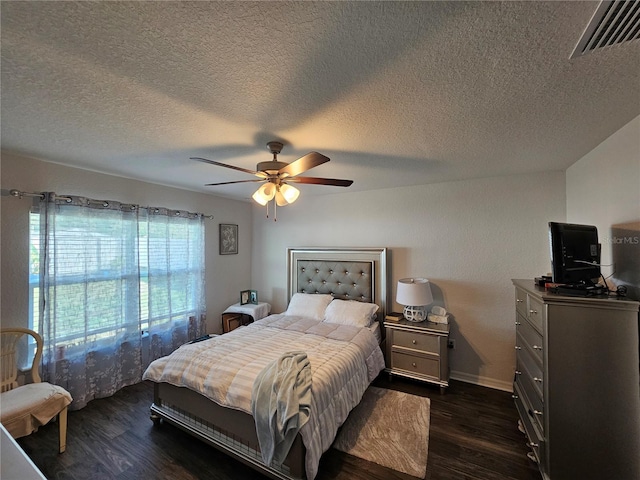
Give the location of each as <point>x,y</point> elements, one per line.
<point>388,428</point>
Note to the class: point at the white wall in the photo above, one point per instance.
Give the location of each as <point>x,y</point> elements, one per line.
<point>603,189</point>
<point>470,238</point>
<point>226,275</point>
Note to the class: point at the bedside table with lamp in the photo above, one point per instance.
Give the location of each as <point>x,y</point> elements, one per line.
<point>417,348</point>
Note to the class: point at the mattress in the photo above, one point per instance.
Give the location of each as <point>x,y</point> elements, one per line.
<point>375,329</point>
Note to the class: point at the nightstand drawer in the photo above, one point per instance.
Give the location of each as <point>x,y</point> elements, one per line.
<point>417,341</point>
<point>416,365</point>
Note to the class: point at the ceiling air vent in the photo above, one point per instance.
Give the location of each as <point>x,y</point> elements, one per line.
<point>613,22</point>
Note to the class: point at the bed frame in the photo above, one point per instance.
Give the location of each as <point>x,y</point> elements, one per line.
<point>349,273</point>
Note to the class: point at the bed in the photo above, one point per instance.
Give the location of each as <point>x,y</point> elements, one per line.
<point>219,415</point>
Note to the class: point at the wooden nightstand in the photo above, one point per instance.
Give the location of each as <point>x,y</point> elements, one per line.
<point>237,315</point>
<point>231,321</point>
<point>418,351</point>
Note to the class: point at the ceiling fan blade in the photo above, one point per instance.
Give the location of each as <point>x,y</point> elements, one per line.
<point>213,162</point>
<point>229,183</point>
<point>310,160</point>
<point>336,182</point>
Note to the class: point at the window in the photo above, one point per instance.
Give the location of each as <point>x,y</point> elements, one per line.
<point>116,275</point>
<point>112,287</point>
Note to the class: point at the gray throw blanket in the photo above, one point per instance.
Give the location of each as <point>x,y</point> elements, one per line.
<point>280,403</point>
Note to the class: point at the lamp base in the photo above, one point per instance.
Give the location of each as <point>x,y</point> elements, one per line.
<point>415,314</point>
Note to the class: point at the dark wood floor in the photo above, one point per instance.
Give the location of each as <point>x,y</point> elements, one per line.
<point>473,435</point>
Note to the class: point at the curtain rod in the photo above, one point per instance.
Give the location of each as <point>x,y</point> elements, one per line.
<point>19,194</point>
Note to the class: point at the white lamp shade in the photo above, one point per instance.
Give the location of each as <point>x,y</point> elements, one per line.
<point>289,192</point>
<point>286,194</point>
<point>280,200</point>
<point>414,292</point>
<point>265,193</point>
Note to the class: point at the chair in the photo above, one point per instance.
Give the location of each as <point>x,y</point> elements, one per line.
<point>24,408</point>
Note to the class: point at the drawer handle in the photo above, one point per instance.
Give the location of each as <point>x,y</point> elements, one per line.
<point>536,379</point>
<point>414,364</point>
<point>533,312</point>
<point>518,347</point>
<point>518,300</point>
<point>518,372</point>
<point>536,347</point>
<point>514,396</point>
<point>414,342</point>
<point>537,412</point>
<point>532,445</point>
<point>518,323</point>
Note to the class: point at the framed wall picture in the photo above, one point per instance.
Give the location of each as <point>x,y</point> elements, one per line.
<point>253,297</point>
<point>228,239</point>
<point>245,297</point>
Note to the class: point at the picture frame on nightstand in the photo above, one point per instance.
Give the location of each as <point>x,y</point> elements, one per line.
<point>253,297</point>
<point>245,297</point>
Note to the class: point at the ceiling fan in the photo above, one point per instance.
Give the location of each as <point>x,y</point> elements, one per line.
<point>278,175</point>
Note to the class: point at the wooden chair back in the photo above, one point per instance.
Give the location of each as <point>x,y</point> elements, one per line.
<point>9,345</point>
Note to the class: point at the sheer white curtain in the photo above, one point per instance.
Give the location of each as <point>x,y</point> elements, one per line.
<point>104,296</point>
<point>172,258</point>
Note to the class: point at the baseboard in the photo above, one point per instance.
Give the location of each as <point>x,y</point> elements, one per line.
<point>482,381</point>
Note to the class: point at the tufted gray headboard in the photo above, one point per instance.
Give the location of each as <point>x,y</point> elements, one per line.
<point>347,273</point>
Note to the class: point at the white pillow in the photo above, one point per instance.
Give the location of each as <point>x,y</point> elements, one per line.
<point>310,305</point>
<point>351,312</point>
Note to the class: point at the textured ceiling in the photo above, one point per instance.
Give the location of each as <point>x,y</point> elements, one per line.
<point>394,93</point>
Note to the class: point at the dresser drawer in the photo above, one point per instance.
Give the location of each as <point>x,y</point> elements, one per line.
<point>417,341</point>
<point>527,365</point>
<point>534,435</point>
<point>536,313</point>
<point>521,302</point>
<point>531,339</point>
<point>535,406</point>
<point>415,364</point>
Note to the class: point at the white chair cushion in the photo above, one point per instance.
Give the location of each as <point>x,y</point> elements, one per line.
<point>25,408</point>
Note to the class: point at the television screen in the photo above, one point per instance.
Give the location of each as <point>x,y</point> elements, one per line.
<point>575,253</point>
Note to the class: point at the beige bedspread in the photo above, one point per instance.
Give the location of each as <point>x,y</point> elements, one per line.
<point>344,360</point>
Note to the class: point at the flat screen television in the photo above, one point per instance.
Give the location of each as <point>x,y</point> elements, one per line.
<point>575,253</point>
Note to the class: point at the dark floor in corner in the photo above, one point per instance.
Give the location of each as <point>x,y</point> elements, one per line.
<point>472,435</point>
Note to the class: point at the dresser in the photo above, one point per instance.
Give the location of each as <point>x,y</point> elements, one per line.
<point>577,383</point>
<point>418,350</point>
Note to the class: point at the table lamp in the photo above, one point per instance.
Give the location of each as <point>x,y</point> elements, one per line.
<point>415,295</point>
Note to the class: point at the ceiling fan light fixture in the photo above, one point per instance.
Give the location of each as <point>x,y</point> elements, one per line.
<point>280,200</point>
<point>265,193</point>
<point>289,193</point>
<point>276,175</point>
